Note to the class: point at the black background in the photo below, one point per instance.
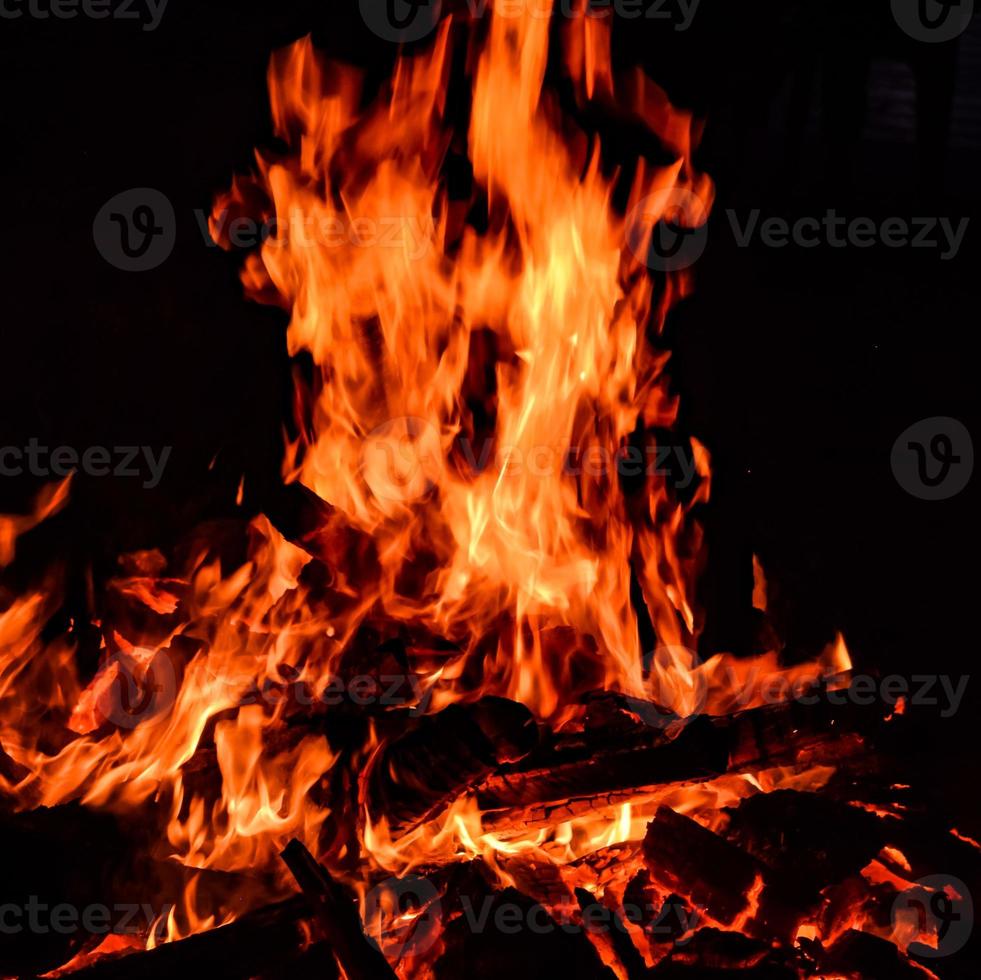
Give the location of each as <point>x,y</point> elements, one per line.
<point>797,368</point>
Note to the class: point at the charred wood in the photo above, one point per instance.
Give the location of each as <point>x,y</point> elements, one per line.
<point>612,929</point>
<point>806,835</point>
<point>599,769</point>
<point>860,954</point>
<point>260,941</point>
<point>685,857</point>
<point>511,935</point>
<point>442,756</point>
<point>337,914</point>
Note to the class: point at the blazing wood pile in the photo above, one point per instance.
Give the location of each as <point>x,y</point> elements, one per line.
<point>685,900</point>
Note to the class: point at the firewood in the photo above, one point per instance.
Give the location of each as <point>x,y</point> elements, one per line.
<point>664,918</point>
<point>615,932</point>
<point>809,836</point>
<point>598,770</point>
<point>798,733</point>
<point>712,954</point>
<point>732,885</point>
<point>264,940</point>
<point>610,869</point>
<point>684,857</point>
<point>510,935</point>
<point>594,765</point>
<point>442,756</point>
<point>860,954</point>
<point>337,914</point>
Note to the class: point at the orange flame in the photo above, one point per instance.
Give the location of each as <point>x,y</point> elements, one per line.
<point>481,362</point>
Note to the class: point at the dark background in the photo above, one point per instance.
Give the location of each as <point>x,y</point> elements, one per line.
<point>798,368</point>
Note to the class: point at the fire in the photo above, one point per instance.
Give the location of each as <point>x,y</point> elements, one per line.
<point>540,314</point>
<point>481,359</point>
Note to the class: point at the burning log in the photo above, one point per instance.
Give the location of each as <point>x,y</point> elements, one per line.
<point>593,766</point>
<point>810,837</point>
<point>861,954</point>
<point>712,953</point>
<point>733,886</point>
<point>703,867</point>
<point>338,917</point>
<point>595,770</point>
<point>512,935</point>
<point>442,756</point>
<point>663,920</point>
<point>259,942</point>
<point>799,733</point>
<point>616,931</point>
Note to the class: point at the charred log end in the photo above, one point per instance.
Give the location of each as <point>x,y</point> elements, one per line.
<point>701,866</point>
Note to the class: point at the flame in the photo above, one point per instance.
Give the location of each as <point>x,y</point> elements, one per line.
<point>394,311</point>
<point>478,361</point>
<point>759,585</point>
<point>51,499</point>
